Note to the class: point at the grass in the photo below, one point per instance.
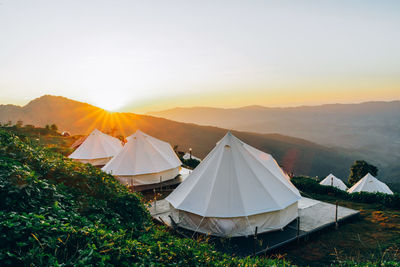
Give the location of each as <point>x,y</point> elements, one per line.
<point>375,237</point>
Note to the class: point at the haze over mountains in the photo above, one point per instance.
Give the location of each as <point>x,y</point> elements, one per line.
<point>364,125</point>
<point>372,128</point>
<point>295,155</point>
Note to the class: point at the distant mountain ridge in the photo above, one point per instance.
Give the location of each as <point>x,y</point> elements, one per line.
<point>295,155</point>
<point>371,128</point>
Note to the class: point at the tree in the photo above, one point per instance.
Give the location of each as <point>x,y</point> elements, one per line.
<point>53,128</point>
<point>359,169</point>
<point>46,130</point>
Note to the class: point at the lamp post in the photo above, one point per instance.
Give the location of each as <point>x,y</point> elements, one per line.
<point>190,152</point>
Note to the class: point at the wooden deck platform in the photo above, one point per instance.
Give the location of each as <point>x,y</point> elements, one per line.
<point>314,215</point>
<point>183,173</point>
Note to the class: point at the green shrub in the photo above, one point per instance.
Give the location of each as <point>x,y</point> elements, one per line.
<point>54,211</point>
<point>192,163</point>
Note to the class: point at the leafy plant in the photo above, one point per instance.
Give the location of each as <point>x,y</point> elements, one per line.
<point>57,212</point>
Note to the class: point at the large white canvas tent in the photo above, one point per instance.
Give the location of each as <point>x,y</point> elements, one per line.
<point>144,160</point>
<point>97,149</point>
<point>370,184</point>
<point>235,189</point>
<point>332,180</point>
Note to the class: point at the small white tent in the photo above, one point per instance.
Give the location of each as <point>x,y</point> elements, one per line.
<point>332,180</point>
<point>370,184</point>
<point>235,189</point>
<point>144,160</point>
<point>97,149</point>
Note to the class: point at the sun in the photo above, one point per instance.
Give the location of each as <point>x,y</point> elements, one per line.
<point>110,106</point>
<point>109,103</point>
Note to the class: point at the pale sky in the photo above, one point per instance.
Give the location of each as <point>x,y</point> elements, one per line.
<point>149,55</point>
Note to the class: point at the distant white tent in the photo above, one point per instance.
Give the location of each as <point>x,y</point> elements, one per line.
<point>97,149</point>
<point>187,156</point>
<point>370,184</point>
<point>332,180</point>
<point>144,160</point>
<point>235,189</point>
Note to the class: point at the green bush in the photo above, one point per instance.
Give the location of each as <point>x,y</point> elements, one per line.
<point>192,163</point>
<point>311,186</point>
<point>54,211</point>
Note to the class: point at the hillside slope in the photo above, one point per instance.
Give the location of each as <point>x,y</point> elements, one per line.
<point>295,155</point>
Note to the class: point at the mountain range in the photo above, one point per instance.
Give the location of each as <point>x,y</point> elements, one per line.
<point>371,129</point>
<point>295,155</point>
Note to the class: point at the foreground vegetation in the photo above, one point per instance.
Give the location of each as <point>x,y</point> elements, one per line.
<point>48,136</point>
<point>58,212</point>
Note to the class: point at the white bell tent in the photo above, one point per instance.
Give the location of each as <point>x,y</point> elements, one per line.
<point>370,184</point>
<point>144,160</point>
<point>332,180</point>
<point>235,189</point>
<point>97,149</point>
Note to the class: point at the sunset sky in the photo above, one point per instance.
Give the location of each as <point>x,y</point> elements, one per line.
<point>150,55</point>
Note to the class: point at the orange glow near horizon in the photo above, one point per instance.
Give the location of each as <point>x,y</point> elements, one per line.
<point>114,123</point>
<point>270,98</point>
<point>102,120</point>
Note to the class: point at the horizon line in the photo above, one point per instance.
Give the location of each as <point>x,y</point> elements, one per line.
<point>125,109</point>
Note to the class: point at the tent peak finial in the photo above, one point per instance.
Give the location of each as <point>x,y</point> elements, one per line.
<point>96,131</point>
<point>229,134</point>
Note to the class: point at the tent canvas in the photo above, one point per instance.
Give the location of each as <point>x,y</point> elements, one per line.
<point>144,160</point>
<point>233,190</point>
<point>332,180</point>
<point>370,184</point>
<point>97,149</point>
